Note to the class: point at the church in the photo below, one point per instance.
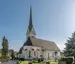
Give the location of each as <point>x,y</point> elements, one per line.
<point>37,48</point>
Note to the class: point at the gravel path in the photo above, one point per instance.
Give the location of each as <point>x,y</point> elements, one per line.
<point>10,62</point>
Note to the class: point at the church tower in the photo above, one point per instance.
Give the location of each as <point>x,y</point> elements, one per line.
<point>30,30</point>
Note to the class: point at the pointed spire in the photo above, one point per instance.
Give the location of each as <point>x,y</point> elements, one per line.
<point>30,31</point>
<point>30,21</point>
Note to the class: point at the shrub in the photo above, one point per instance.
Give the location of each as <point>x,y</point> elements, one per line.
<point>30,63</point>
<point>67,60</point>
<point>47,63</point>
<point>39,60</point>
<point>22,59</point>
<point>42,59</point>
<point>17,62</point>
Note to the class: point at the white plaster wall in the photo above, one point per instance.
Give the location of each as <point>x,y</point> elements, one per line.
<point>51,54</point>
<point>29,48</point>
<point>46,52</point>
<point>59,54</point>
<point>25,54</point>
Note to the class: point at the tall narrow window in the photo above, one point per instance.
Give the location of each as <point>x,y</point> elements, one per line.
<point>25,49</point>
<point>48,55</point>
<point>29,54</point>
<point>34,53</point>
<point>55,53</point>
<point>38,53</point>
<point>32,49</point>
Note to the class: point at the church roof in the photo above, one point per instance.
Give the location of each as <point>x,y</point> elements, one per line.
<point>20,51</point>
<point>28,42</point>
<point>45,44</point>
<point>31,41</point>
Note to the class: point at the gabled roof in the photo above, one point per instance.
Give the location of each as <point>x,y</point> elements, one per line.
<point>28,42</point>
<point>20,51</point>
<point>41,43</point>
<point>45,44</point>
<point>31,41</point>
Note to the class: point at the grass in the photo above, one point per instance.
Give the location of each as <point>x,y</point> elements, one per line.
<point>52,61</point>
<point>24,62</point>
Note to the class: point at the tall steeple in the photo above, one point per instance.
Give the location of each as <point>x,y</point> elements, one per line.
<point>30,30</point>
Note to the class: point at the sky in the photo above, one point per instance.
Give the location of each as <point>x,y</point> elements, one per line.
<point>53,20</point>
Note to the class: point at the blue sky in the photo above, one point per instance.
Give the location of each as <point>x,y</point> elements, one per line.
<point>53,20</point>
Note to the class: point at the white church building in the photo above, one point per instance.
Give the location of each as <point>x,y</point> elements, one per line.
<point>35,47</point>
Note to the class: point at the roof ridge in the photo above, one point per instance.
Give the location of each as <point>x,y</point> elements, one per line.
<point>43,40</point>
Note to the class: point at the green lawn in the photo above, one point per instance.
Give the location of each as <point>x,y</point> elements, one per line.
<point>23,62</point>
<point>51,62</point>
<point>37,63</point>
<point>26,62</point>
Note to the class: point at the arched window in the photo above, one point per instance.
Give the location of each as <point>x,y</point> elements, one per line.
<point>38,50</point>
<point>55,53</point>
<point>34,53</point>
<point>25,49</point>
<point>32,49</point>
<point>29,54</point>
<point>43,50</point>
<point>48,55</point>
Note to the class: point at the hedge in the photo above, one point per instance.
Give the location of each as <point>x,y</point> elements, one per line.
<point>67,60</point>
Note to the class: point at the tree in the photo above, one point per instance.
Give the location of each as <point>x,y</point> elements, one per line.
<point>70,46</point>
<point>12,54</point>
<point>4,48</point>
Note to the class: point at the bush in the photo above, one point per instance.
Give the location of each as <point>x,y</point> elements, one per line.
<point>67,60</point>
<point>42,59</point>
<point>47,63</point>
<point>17,62</point>
<point>39,60</point>
<point>22,59</point>
<point>30,63</point>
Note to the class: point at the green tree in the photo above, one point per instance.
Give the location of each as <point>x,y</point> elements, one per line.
<point>4,48</point>
<point>70,46</point>
<point>12,54</point>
